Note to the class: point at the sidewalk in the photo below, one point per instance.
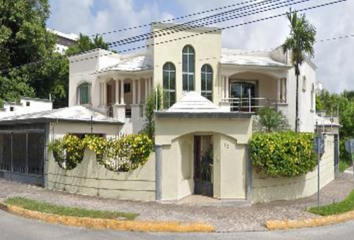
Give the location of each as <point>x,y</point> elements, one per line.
<point>228,218</point>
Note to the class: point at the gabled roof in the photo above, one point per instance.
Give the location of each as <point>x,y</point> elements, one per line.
<point>134,64</point>
<point>69,114</point>
<point>261,59</point>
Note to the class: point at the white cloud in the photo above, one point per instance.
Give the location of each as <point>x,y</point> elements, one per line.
<point>333,58</point>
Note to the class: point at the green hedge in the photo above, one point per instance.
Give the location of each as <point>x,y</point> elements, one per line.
<point>283,154</point>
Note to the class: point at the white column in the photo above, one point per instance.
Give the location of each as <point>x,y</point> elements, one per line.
<point>222,89</point>
<point>146,88</point>
<point>139,91</point>
<point>278,89</point>
<point>117,91</point>
<point>104,93</point>
<point>227,87</point>
<point>134,92</point>
<point>152,84</point>
<point>122,92</point>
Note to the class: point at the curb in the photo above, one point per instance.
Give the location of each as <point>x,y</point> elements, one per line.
<point>110,224</point>
<point>309,223</point>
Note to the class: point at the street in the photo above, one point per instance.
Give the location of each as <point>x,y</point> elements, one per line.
<point>17,228</point>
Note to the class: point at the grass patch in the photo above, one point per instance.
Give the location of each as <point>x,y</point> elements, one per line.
<point>336,208</point>
<point>67,211</point>
<point>343,165</point>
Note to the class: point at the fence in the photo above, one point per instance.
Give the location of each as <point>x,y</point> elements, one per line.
<point>22,151</point>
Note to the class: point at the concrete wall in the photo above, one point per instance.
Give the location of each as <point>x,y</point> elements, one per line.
<point>272,189</point>
<point>230,137</point>
<point>93,179</point>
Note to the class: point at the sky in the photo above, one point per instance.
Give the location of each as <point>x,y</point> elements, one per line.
<point>333,58</point>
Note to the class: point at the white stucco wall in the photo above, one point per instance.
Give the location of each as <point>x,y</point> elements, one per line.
<point>91,178</point>
<point>207,51</point>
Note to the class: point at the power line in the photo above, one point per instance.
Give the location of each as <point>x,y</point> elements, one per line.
<point>172,40</point>
<point>229,27</point>
<point>227,18</point>
<point>174,19</point>
<point>184,26</point>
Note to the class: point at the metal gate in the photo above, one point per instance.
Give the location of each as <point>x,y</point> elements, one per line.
<point>22,155</point>
<point>336,153</point>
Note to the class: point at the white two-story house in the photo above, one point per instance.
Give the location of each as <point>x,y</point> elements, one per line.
<point>185,61</point>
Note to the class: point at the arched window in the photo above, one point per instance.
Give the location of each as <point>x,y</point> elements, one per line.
<point>188,67</point>
<point>169,85</point>
<point>84,94</point>
<point>207,82</point>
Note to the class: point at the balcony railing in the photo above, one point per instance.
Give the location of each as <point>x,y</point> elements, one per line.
<point>251,105</point>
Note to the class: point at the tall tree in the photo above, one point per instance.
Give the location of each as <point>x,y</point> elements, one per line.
<point>23,39</point>
<point>84,43</point>
<point>300,42</point>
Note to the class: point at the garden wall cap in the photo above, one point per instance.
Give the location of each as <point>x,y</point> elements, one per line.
<point>68,114</point>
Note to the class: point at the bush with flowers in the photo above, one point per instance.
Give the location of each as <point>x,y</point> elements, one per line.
<point>122,155</point>
<point>68,151</point>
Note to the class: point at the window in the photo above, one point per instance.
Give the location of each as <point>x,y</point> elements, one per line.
<point>84,93</point>
<point>304,83</point>
<point>127,88</point>
<point>12,109</point>
<point>188,66</point>
<point>207,82</point>
<point>28,104</point>
<point>283,90</point>
<point>169,85</point>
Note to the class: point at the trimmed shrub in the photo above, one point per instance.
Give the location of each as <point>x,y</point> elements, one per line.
<point>283,154</point>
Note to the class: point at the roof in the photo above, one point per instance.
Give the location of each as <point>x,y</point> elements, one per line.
<point>69,114</point>
<point>237,57</point>
<point>133,64</point>
<point>70,36</point>
<point>323,121</point>
<point>193,102</point>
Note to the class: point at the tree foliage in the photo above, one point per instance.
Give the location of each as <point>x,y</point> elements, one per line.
<point>153,102</point>
<point>269,120</point>
<point>25,39</point>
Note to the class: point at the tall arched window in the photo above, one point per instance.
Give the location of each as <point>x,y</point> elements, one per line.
<point>169,85</point>
<point>84,93</point>
<point>188,68</point>
<point>207,82</point>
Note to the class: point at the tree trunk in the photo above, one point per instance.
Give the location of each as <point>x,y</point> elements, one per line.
<point>297,72</point>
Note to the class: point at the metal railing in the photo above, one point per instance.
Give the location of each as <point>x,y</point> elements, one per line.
<point>250,104</point>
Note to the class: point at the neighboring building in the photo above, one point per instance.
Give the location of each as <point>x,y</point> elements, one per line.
<point>64,40</point>
<point>26,105</point>
<point>211,95</point>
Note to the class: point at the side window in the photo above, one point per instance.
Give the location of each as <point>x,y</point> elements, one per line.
<point>169,85</point>
<point>188,68</point>
<point>84,93</point>
<point>207,82</point>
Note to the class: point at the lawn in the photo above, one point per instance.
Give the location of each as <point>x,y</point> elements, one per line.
<point>343,165</point>
<point>336,208</point>
<point>67,211</point>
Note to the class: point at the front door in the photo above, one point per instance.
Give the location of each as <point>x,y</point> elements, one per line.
<point>243,96</point>
<point>203,165</point>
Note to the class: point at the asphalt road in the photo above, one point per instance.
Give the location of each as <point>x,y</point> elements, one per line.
<point>17,228</point>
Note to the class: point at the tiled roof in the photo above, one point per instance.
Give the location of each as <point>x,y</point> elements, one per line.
<point>193,102</point>
<point>134,64</point>
<point>235,57</point>
<point>76,113</point>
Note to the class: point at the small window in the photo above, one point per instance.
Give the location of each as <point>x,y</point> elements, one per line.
<point>84,93</point>
<point>188,66</point>
<point>12,109</point>
<point>169,85</point>
<point>207,82</point>
<point>28,104</point>
<point>304,83</point>
<point>127,88</point>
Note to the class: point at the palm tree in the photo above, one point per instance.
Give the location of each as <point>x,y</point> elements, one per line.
<point>300,42</point>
